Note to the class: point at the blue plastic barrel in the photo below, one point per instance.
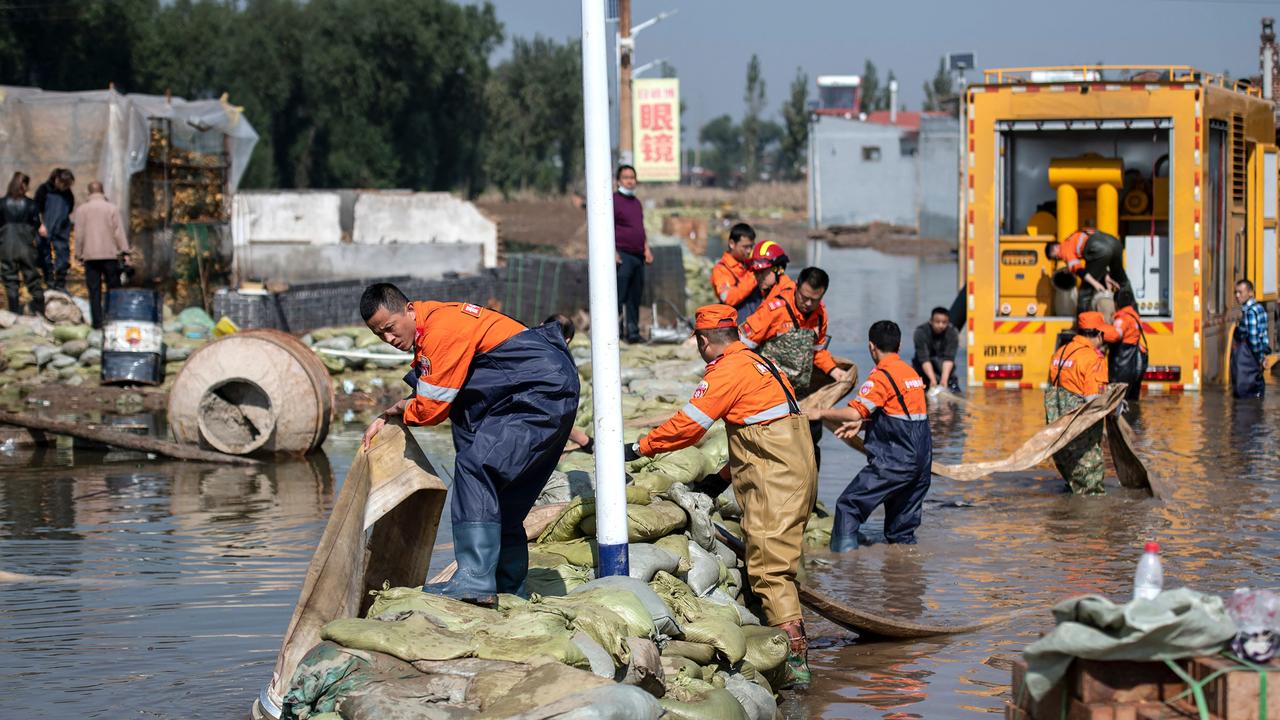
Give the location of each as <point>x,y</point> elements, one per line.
<point>133,338</point>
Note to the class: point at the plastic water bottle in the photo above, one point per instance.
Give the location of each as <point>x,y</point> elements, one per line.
<point>1148,580</point>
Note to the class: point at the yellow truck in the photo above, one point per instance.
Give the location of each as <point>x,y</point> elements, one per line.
<point>1179,164</point>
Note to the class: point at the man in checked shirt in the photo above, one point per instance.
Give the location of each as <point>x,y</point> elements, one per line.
<point>1250,344</point>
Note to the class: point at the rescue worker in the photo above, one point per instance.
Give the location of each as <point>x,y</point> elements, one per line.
<point>790,328</point>
<point>585,442</point>
<point>1098,258</point>
<point>1077,374</point>
<point>1250,344</point>
<point>18,222</point>
<point>891,406</point>
<point>1127,357</point>
<point>770,465</point>
<point>510,393</point>
<point>733,283</point>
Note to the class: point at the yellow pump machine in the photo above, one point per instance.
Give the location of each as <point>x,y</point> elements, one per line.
<point>1178,164</point>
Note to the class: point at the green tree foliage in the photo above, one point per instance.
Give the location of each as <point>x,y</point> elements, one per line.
<point>534,103</point>
<point>724,156</point>
<point>870,87</point>
<point>754,98</point>
<point>939,89</point>
<point>344,93</point>
<point>795,138</point>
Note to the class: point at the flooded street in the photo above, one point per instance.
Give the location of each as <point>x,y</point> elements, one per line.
<point>139,588</point>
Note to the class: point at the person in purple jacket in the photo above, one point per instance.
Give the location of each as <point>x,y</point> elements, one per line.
<point>631,251</point>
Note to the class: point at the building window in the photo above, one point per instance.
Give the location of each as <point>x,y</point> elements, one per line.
<point>870,153</point>
<point>908,146</point>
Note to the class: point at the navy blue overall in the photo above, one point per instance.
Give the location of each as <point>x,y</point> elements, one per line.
<point>898,474</point>
<point>511,420</point>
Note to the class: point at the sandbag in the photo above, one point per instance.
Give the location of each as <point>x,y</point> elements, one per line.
<point>716,704</point>
<point>597,621</point>
<point>391,604</point>
<point>558,580</point>
<point>644,522</point>
<point>660,615</point>
<point>621,601</point>
<point>725,635</point>
<point>543,684</point>
<point>818,531</point>
<point>677,545</point>
<point>722,598</point>
<point>412,639</point>
<point>599,659</point>
<point>766,646</point>
<point>727,556</point>
<point>567,526</point>
<point>757,702</point>
<point>330,675</point>
<point>610,702</point>
<point>645,560</point>
<point>687,605</point>
<point>697,507</point>
<point>704,570</point>
<point>699,653</point>
<point>523,649</point>
<point>715,448</point>
<point>580,552</point>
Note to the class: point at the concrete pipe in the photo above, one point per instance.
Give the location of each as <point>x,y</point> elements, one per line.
<point>258,391</point>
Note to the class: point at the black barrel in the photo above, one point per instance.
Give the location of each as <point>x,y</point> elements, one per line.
<point>133,338</point>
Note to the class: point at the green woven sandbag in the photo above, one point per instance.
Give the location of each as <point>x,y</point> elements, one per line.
<point>700,653</point>
<point>622,603</point>
<point>409,640</point>
<point>558,647</point>
<point>393,603</point>
<point>715,448</point>
<point>677,545</point>
<point>645,522</point>
<point>653,482</point>
<point>538,559</point>
<point>725,635</point>
<point>682,466</point>
<point>580,552</point>
<point>818,531</point>
<point>766,646</point>
<point>555,581</point>
<point>63,333</point>
<point>602,624</point>
<point>568,525</point>
<point>716,704</point>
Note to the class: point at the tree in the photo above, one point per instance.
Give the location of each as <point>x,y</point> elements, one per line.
<point>795,116</point>
<point>534,105</point>
<point>754,99</point>
<point>939,89</point>
<point>725,141</point>
<point>870,87</point>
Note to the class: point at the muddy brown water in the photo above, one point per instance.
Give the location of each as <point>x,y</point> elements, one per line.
<point>137,588</point>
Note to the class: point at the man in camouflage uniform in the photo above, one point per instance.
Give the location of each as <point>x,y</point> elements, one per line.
<point>1077,374</point>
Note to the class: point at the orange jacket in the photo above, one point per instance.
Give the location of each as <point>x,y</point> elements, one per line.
<point>1071,251</point>
<point>1078,367</point>
<point>878,393</point>
<point>731,280</point>
<point>1130,327</point>
<point>773,318</point>
<point>449,336</point>
<point>737,387</point>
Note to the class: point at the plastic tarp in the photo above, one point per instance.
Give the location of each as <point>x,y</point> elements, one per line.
<point>105,135</point>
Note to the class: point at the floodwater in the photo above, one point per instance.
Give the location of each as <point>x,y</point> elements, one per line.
<point>137,588</point>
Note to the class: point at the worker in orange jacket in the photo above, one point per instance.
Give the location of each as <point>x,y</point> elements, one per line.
<point>1077,374</point>
<point>510,394</point>
<point>731,280</point>
<point>891,406</point>
<point>1127,358</point>
<point>770,466</point>
<point>1098,258</point>
<point>790,328</point>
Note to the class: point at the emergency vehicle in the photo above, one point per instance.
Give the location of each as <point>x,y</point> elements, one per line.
<point>1179,164</point>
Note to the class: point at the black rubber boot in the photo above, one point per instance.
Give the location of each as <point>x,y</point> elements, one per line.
<point>513,568</point>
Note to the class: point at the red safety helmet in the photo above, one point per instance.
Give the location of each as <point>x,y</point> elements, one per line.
<point>766,255</point>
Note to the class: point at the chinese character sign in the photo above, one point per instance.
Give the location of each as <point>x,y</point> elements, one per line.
<point>656,129</point>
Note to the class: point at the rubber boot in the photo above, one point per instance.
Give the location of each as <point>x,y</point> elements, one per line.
<point>475,547</point>
<point>513,568</point>
<point>797,656</point>
<point>844,543</point>
<point>14,298</point>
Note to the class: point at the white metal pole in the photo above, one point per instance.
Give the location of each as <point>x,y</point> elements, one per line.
<point>606,383</point>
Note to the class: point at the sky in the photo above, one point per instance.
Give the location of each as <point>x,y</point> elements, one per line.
<point>709,42</point>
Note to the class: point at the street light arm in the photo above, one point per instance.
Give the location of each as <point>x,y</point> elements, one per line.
<point>635,29</point>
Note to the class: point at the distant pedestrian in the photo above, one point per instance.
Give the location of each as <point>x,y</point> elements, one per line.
<point>101,246</point>
<point>19,221</point>
<point>937,343</point>
<point>1250,344</point>
<point>55,202</point>
<point>631,251</point>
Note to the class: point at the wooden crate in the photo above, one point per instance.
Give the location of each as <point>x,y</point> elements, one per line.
<point>1107,710</point>
<point>1051,705</point>
<point>1235,693</point>
<point>1094,681</point>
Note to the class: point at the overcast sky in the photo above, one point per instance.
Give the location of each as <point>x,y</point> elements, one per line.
<point>710,41</point>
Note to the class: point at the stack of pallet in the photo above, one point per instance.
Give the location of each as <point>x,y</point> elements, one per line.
<point>1095,690</point>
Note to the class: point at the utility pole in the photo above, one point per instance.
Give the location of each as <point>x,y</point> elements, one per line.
<point>625,154</point>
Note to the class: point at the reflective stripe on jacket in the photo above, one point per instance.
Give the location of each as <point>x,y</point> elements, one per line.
<point>777,315</point>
